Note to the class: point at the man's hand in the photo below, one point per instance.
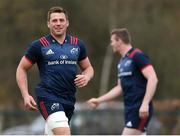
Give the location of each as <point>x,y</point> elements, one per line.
<point>81,80</point>
<point>144,111</point>
<point>93,103</point>
<point>30,103</point>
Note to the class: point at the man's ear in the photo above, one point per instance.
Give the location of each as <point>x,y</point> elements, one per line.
<point>48,24</point>
<point>67,23</point>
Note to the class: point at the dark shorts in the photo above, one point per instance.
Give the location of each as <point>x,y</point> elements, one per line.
<point>132,119</point>
<point>47,107</point>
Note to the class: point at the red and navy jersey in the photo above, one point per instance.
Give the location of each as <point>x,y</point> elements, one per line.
<point>57,64</point>
<point>131,78</point>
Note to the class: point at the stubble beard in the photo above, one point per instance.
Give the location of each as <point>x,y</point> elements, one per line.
<point>57,34</point>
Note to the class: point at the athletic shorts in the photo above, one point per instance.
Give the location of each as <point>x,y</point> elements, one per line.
<point>132,119</point>
<point>47,107</point>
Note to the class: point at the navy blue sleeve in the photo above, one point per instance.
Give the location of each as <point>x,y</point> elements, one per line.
<point>83,52</point>
<point>33,52</point>
<point>141,60</point>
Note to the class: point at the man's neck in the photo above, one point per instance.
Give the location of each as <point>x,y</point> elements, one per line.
<point>59,38</point>
<point>126,49</point>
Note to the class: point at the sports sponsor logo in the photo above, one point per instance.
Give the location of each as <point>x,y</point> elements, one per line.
<point>128,63</point>
<point>119,65</point>
<point>55,106</point>
<point>74,51</point>
<point>63,57</point>
<point>56,62</point>
<point>125,74</point>
<point>49,52</point>
<point>129,124</point>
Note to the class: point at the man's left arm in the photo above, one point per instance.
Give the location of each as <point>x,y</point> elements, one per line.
<point>82,79</point>
<point>152,80</point>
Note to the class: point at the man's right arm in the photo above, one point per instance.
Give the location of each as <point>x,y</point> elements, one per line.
<point>113,93</point>
<point>21,77</point>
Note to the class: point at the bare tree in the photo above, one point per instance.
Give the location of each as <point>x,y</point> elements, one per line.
<point>107,63</point>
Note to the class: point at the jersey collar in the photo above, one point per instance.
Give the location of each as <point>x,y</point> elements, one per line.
<point>129,52</point>
<point>53,40</point>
